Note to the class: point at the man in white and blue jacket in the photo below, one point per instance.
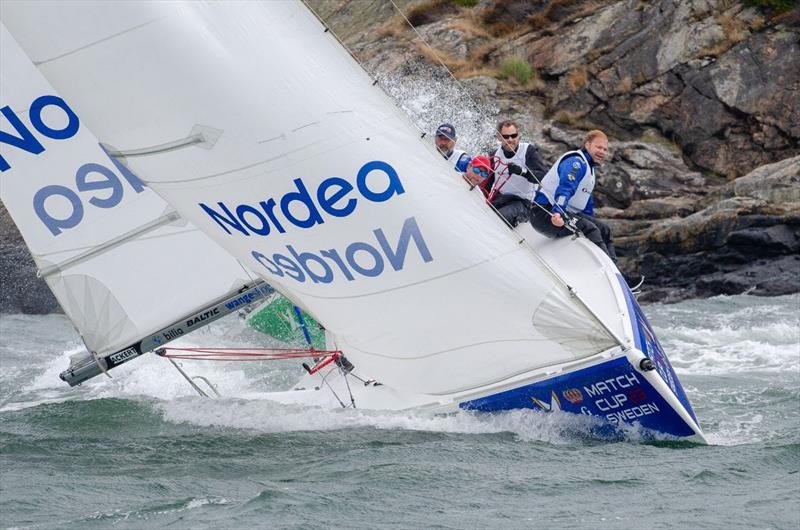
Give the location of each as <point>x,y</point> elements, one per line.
<point>567,192</point>
<point>445,140</point>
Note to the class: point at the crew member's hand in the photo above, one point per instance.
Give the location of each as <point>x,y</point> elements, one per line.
<point>516,169</point>
<point>557,220</point>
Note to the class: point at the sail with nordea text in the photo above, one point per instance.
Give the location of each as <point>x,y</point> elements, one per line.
<point>262,131</point>
<point>315,181</point>
<point>121,262</point>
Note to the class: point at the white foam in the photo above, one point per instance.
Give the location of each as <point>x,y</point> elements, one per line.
<point>741,335</point>
<point>429,102</point>
<point>150,376</point>
<point>264,416</point>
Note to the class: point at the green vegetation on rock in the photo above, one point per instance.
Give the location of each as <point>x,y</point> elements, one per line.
<point>776,5</point>
<point>516,68</point>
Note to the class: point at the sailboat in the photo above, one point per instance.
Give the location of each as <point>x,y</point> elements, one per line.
<point>264,136</point>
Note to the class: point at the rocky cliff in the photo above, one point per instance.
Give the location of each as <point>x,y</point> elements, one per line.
<point>701,99</point>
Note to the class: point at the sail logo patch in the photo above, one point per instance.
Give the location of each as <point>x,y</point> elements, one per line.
<point>122,356</point>
<point>573,395</point>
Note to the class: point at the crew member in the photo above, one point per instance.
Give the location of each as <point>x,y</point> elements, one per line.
<point>567,192</point>
<point>517,167</point>
<point>445,140</point>
<point>478,173</point>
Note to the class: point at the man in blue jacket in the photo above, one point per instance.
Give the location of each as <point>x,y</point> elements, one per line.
<point>566,193</point>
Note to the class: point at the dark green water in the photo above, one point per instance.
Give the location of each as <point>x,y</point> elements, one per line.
<point>139,451</point>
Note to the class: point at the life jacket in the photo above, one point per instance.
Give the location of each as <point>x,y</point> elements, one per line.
<point>455,156</point>
<point>515,184</point>
<point>583,191</point>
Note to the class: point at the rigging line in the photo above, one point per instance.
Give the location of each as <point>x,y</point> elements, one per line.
<point>570,290</point>
<point>522,341</point>
<point>189,379</point>
<point>247,271</point>
<point>325,380</point>
<point>140,238</point>
<point>430,48</point>
<point>469,95</point>
<point>346,382</point>
<point>374,79</point>
<point>340,41</point>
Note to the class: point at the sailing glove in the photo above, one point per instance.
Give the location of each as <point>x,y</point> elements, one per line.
<point>516,169</point>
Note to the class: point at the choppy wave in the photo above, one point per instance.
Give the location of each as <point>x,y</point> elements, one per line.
<point>731,334</point>
<point>709,343</point>
<point>261,416</point>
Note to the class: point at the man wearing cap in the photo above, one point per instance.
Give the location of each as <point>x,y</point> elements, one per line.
<point>567,192</point>
<point>445,142</point>
<point>518,168</point>
<point>478,172</point>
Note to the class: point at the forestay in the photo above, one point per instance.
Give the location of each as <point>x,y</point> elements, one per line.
<point>120,261</point>
<point>315,180</point>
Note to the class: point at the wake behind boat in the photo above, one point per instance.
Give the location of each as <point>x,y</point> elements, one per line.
<point>262,132</point>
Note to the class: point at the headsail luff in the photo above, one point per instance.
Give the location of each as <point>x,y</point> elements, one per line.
<point>121,262</point>
<point>317,182</point>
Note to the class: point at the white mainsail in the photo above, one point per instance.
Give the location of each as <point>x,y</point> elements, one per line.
<point>121,262</point>
<point>309,174</point>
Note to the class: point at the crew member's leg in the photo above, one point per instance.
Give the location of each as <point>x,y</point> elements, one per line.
<point>605,232</point>
<point>511,208</point>
<point>592,233</point>
<point>540,219</point>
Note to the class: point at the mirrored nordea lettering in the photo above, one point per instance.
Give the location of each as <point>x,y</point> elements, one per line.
<point>61,207</point>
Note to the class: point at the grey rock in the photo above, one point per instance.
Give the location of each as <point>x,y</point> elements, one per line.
<point>21,291</point>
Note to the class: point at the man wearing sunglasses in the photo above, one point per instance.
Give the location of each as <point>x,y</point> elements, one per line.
<point>478,171</point>
<point>445,140</point>
<point>567,193</point>
<point>518,168</point>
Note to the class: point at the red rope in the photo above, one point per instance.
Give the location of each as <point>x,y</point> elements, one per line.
<point>243,354</point>
<point>497,169</point>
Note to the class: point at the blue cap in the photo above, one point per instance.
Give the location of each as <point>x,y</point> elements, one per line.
<point>446,129</point>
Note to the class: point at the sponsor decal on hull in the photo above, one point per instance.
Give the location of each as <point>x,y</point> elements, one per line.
<point>612,391</point>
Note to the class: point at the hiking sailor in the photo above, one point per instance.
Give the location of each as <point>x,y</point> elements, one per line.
<point>518,166</point>
<point>478,172</point>
<point>445,140</point>
<point>567,192</point>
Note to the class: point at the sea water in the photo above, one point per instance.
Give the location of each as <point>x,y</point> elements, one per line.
<point>141,450</point>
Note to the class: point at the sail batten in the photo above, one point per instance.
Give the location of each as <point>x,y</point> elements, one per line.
<point>105,247</point>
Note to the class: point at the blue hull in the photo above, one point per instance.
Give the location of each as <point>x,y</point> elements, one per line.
<point>614,390</point>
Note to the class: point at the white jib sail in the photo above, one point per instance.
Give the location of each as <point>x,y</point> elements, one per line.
<point>315,180</point>
<point>120,261</point>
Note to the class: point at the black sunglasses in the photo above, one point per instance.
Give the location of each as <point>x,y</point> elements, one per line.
<point>509,136</point>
